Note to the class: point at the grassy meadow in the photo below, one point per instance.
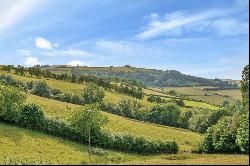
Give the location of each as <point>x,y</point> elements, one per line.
<point>110,96</point>
<point>21,146</point>
<point>118,124</point>
<point>212,97</point>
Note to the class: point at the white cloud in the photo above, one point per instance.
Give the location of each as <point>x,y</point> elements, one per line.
<point>14,11</point>
<point>230,27</point>
<point>218,22</point>
<point>70,52</point>
<point>125,49</point>
<point>43,43</point>
<point>31,61</point>
<point>24,53</point>
<point>76,62</point>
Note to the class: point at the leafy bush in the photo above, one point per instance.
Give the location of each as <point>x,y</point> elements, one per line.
<point>129,108</point>
<point>31,117</point>
<point>41,89</point>
<point>93,94</point>
<point>156,99</point>
<point>88,120</point>
<point>220,138</point>
<point>167,114</point>
<point>180,103</point>
<point>136,144</point>
<point>242,137</point>
<point>184,119</point>
<point>199,121</point>
<point>11,102</point>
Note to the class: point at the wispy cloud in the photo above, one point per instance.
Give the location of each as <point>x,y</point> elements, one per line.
<point>69,53</point>
<point>219,21</point>
<point>24,53</point>
<point>14,11</point>
<point>123,49</point>
<point>230,27</point>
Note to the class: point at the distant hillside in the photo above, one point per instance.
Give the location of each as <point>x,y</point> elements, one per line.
<point>148,77</point>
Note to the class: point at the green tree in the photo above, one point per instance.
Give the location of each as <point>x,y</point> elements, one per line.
<point>180,103</point>
<point>129,108</point>
<point>88,121</point>
<point>242,137</point>
<point>167,114</point>
<point>32,116</point>
<point>225,103</point>
<point>11,102</point>
<point>41,89</point>
<point>245,87</point>
<point>221,137</point>
<point>93,94</point>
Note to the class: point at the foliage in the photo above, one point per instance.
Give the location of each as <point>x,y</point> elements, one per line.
<point>88,118</point>
<point>31,117</point>
<point>180,103</point>
<point>92,94</point>
<point>242,137</point>
<point>157,99</point>
<point>184,119</point>
<point>11,102</point>
<point>220,138</point>
<point>152,77</point>
<point>245,87</point>
<point>41,89</point>
<point>167,114</point>
<point>129,108</point>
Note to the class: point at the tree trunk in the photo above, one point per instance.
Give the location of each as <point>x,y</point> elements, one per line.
<point>89,142</point>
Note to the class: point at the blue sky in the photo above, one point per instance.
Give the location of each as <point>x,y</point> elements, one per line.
<point>207,38</point>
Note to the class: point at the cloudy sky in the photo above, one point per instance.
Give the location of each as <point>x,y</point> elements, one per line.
<point>207,38</point>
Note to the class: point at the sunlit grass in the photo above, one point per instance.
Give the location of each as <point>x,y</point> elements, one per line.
<point>117,124</point>
<point>21,146</point>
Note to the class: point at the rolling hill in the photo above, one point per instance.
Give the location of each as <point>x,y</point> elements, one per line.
<point>148,77</point>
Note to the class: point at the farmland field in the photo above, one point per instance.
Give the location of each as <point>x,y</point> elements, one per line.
<point>21,146</point>
<point>110,96</point>
<point>118,124</point>
<point>115,82</point>
<point>212,97</point>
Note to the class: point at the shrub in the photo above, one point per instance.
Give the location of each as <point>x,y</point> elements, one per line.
<point>31,117</point>
<point>93,94</point>
<point>184,119</point>
<point>11,102</point>
<point>55,91</point>
<point>88,120</point>
<point>129,108</point>
<point>156,99</point>
<point>199,121</point>
<point>242,136</point>
<point>167,114</point>
<point>41,89</point>
<point>180,103</point>
<point>220,138</point>
<point>65,97</point>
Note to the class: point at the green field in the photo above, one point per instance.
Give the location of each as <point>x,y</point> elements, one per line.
<point>118,124</point>
<point>67,152</point>
<point>211,97</point>
<point>21,146</point>
<point>234,94</point>
<point>110,96</point>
